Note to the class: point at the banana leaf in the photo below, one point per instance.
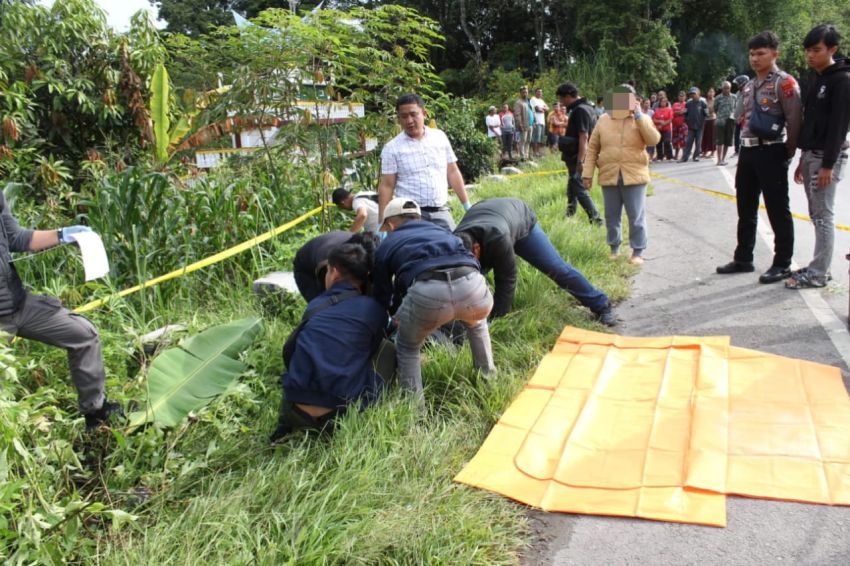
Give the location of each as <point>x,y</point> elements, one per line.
<point>188,377</point>
<point>160,93</point>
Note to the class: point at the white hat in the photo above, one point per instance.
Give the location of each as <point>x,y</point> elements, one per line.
<point>400,206</point>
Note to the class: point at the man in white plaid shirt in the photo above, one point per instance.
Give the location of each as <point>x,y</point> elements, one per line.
<point>419,164</point>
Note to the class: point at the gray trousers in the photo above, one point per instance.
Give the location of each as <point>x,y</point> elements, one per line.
<point>633,198</point>
<point>431,304</point>
<point>43,318</point>
<point>821,207</point>
<point>442,217</point>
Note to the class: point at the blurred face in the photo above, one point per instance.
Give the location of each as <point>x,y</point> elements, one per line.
<point>653,97</point>
<point>523,93</point>
<point>620,104</point>
<point>538,93</point>
<point>411,118</point>
<point>819,56</point>
<point>645,105</point>
<point>695,95</point>
<point>727,88</point>
<point>762,59</point>
<point>505,108</point>
<point>682,96</point>
<point>332,275</point>
<point>711,92</point>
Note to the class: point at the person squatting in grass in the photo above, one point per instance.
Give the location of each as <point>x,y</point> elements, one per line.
<point>43,318</point>
<point>823,139</point>
<point>419,164</point>
<point>425,278</point>
<point>365,207</point>
<point>499,229</point>
<point>329,356</point>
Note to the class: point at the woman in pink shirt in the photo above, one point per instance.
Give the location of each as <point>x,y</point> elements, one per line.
<point>680,128</point>
<point>663,119</point>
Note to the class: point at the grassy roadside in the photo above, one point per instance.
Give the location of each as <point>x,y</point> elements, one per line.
<point>380,490</point>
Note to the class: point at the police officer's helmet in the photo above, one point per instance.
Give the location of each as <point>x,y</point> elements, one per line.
<point>741,80</point>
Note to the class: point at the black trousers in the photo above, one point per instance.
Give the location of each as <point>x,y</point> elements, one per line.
<point>577,194</point>
<point>763,170</point>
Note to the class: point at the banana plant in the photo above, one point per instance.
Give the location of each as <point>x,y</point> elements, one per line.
<point>190,376</point>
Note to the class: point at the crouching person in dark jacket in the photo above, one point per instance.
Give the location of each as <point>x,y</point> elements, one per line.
<point>426,278</point>
<point>329,356</point>
<point>497,230</point>
<point>43,318</point>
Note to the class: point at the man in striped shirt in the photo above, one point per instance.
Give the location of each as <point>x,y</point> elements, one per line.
<point>419,164</point>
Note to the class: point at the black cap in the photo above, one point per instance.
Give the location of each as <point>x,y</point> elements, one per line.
<point>339,195</point>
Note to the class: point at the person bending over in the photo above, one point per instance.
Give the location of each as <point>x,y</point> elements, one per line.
<point>43,318</point>
<point>499,229</point>
<point>365,207</point>
<point>330,354</point>
<point>311,260</point>
<point>425,276</point>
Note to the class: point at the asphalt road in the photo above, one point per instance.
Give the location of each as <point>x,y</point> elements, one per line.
<point>678,292</point>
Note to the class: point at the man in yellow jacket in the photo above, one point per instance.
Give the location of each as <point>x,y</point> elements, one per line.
<point>618,148</point>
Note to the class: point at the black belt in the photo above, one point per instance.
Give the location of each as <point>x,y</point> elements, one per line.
<point>446,274</point>
<point>431,208</point>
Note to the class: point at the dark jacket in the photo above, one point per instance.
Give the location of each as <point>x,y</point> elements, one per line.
<point>696,111</point>
<point>310,262</point>
<point>13,238</point>
<point>582,118</point>
<point>826,112</point>
<point>331,366</point>
<point>411,249</point>
<point>497,225</point>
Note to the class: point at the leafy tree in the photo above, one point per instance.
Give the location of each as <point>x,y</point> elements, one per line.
<point>197,17</point>
<point>69,87</point>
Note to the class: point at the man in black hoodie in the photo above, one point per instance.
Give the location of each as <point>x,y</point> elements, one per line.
<point>823,139</point>
<point>573,146</point>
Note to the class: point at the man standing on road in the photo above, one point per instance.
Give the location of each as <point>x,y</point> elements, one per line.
<point>573,146</point>
<point>419,164</point>
<point>823,139</point>
<point>499,229</point>
<point>771,114</point>
<point>538,132</point>
<point>724,106</point>
<point>696,111</point>
<point>426,278</point>
<point>524,118</point>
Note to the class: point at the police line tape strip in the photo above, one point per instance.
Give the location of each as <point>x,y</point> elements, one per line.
<point>842,227</point>
<point>206,262</point>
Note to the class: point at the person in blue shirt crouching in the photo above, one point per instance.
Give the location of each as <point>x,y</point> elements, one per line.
<point>329,365</point>
<point>425,277</point>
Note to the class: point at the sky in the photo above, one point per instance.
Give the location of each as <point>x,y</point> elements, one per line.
<point>118,12</point>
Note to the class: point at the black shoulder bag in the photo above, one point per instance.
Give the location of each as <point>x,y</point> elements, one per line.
<point>289,345</point>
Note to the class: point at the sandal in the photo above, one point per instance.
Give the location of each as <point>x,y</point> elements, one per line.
<point>803,279</point>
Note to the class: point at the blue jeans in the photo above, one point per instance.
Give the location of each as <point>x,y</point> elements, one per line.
<point>537,250</point>
<point>694,143</point>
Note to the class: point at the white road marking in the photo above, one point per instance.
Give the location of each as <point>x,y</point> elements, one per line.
<point>823,313</point>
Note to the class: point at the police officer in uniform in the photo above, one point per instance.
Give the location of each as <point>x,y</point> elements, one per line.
<point>771,109</point>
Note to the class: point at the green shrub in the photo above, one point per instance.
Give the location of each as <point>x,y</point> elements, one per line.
<point>462,120</point>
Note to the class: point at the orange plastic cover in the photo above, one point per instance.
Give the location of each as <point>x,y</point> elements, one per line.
<point>663,428</point>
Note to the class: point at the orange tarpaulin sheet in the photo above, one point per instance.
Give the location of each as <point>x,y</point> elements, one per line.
<point>662,428</point>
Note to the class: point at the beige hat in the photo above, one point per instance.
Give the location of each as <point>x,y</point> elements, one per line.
<point>400,206</point>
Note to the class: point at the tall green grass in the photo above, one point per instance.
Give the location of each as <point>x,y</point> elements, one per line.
<point>379,491</point>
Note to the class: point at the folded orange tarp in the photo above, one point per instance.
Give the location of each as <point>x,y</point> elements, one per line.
<point>661,428</point>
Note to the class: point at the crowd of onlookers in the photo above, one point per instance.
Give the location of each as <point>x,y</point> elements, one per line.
<point>691,126</point>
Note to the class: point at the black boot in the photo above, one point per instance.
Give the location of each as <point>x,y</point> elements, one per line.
<point>107,413</point>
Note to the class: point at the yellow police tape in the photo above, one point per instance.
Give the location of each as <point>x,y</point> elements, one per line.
<point>732,198</point>
<point>842,227</point>
<point>206,262</point>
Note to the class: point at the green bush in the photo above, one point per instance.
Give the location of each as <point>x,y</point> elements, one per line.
<point>462,120</point>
